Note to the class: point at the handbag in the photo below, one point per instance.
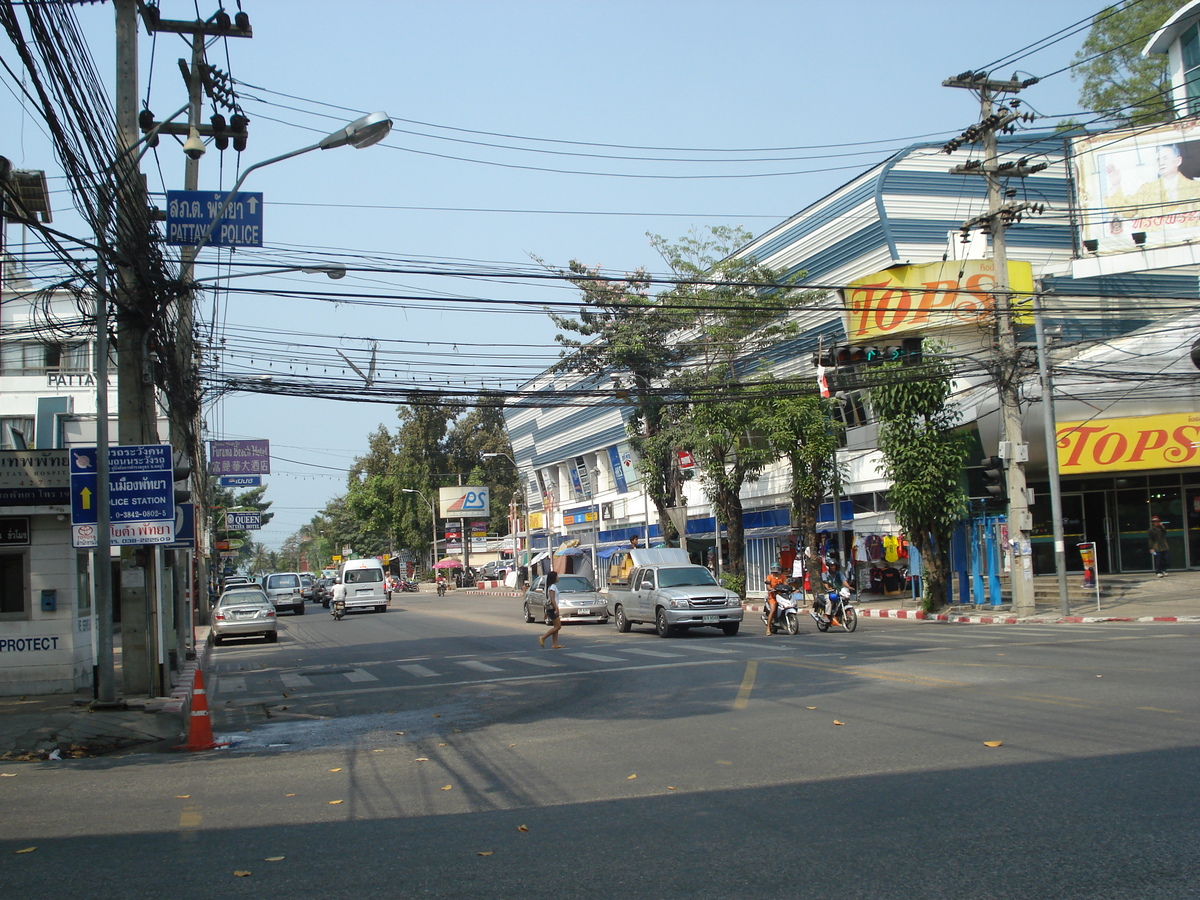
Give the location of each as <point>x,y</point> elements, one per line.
<point>548,609</point>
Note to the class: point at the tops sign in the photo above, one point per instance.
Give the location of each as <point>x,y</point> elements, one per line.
<point>937,295</point>
<point>1137,442</point>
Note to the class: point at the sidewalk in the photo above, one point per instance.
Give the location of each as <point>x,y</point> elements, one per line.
<point>38,727</point>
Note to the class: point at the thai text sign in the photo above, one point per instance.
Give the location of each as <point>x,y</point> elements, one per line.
<point>191,213</point>
<point>937,295</point>
<point>239,457</point>
<point>141,495</point>
<point>1137,442</point>
<point>34,478</point>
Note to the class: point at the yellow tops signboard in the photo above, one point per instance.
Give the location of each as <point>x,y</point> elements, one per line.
<point>1138,442</point>
<point>936,295</point>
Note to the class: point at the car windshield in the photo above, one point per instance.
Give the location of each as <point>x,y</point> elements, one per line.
<point>574,584</point>
<point>283,581</point>
<point>685,576</point>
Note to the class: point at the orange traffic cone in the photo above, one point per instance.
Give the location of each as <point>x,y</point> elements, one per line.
<point>200,735</point>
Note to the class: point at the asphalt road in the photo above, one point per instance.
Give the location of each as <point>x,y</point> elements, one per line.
<point>435,751</point>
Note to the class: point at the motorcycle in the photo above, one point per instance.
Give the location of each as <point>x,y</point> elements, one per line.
<point>441,588</point>
<point>337,609</point>
<point>842,612</point>
<point>787,612</point>
<point>409,587</point>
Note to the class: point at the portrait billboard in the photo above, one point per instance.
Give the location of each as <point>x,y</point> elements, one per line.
<point>1143,182</point>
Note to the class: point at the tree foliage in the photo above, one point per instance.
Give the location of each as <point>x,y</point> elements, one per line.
<point>1116,81</point>
<point>924,453</point>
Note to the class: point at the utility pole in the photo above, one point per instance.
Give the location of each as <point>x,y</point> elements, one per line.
<point>999,216</point>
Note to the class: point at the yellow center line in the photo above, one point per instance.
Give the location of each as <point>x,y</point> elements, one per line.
<point>743,696</point>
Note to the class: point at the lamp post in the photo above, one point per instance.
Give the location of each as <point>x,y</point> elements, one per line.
<point>521,532</point>
<point>433,521</point>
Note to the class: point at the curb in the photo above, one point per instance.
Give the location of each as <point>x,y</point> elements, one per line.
<point>917,615</point>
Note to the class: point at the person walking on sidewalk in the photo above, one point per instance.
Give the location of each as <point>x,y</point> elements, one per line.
<point>1160,551</point>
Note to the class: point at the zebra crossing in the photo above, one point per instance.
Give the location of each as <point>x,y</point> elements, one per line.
<point>431,671</point>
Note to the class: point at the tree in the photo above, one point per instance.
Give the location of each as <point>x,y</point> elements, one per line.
<point>224,499</point>
<point>1119,83</point>
<point>923,455</point>
<point>801,431</point>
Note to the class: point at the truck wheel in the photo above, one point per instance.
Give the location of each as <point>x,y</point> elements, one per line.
<point>300,610</point>
<point>731,629</point>
<point>661,625</point>
<point>622,622</point>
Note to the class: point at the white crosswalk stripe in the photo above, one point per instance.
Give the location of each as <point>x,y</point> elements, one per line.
<point>597,657</point>
<point>419,670</point>
<point>360,675</point>
<point>294,681</point>
<point>229,684</point>
<point>642,651</point>
<point>478,666</point>
<point>536,661</point>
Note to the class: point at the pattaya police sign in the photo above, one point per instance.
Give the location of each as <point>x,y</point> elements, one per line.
<point>938,295</point>
<point>191,213</point>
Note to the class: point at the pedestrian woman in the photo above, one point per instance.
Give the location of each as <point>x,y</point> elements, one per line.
<point>552,607</point>
<point>1159,548</point>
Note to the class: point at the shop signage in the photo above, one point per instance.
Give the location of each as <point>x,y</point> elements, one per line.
<point>34,478</point>
<point>14,531</point>
<point>464,500</point>
<point>243,521</point>
<point>239,457</point>
<point>1137,442</point>
<point>937,295</point>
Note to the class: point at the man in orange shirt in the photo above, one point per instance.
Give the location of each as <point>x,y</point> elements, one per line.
<point>774,580</point>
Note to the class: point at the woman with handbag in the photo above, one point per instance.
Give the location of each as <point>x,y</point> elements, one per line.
<point>552,612</point>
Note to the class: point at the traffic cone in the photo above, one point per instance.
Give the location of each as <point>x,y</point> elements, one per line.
<point>200,735</point>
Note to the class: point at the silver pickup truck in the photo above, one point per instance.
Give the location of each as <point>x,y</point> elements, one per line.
<point>666,589</point>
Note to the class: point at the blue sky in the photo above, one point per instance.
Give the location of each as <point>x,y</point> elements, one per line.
<point>708,85</point>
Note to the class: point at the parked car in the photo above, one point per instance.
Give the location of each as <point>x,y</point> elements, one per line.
<point>666,590</point>
<point>494,570</point>
<point>283,588</point>
<point>307,582</point>
<point>577,600</point>
<point>244,611</point>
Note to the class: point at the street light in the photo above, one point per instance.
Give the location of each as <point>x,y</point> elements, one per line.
<point>524,510</point>
<point>361,133</point>
<point>433,520</point>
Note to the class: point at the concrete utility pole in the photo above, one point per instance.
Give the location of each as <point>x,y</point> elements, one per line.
<point>999,216</point>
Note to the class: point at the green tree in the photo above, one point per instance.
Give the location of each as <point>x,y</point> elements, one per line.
<point>1116,81</point>
<point>801,430</point>
<point>924,453</point>
<point>224,499</point>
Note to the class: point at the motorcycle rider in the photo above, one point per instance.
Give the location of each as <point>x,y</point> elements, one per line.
<point>774,580</point>
<point>835,582</point>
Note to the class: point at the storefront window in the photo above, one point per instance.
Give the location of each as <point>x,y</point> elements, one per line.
<point>12,585</point>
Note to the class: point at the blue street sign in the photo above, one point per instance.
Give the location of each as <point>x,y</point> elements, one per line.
<point>185,527</point>
<point>189,214</point>
<point>240,481</point>
<point>140,484</point>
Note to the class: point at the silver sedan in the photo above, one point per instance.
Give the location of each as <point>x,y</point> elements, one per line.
<point>577,601</point>
<point>244,612</point>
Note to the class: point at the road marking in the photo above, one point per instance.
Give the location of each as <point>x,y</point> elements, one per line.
<point>597,657</point>
<point>536,661</point>
<point>657,653</point>
<point>743,695</point>
<point>419,670</point>
<point>760,646</point>
<point>229,684</point>
<point>1156,709</point>
<point>360,675</point>
<point>294,681</point>
<point>700,649</point>
<point>478,666</point>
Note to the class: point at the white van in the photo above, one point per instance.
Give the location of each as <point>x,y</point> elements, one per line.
<point>360,585</point>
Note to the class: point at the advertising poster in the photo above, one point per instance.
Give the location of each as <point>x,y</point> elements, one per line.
<point>1143,182</point>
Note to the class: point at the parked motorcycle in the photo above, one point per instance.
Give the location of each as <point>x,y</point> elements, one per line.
<point>842,612</point>
<point>787,612</point>
<point>337,609</point>
<point>409,587</point>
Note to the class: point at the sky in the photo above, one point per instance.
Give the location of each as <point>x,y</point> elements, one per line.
<point>524,131</point>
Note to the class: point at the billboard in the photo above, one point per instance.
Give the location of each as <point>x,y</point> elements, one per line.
<point>1144,182</point>
<point>1124,444</point>
<point>456,502</point>
<point>908,299</point>
<point>239,457</point>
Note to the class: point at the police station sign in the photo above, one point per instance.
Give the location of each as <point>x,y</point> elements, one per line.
<point>191,213</point>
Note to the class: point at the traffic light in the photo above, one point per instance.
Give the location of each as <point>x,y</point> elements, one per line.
<point>181,472</point>
<point>220,138</point>
<point>993,479</point>
<point>238,123</point>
